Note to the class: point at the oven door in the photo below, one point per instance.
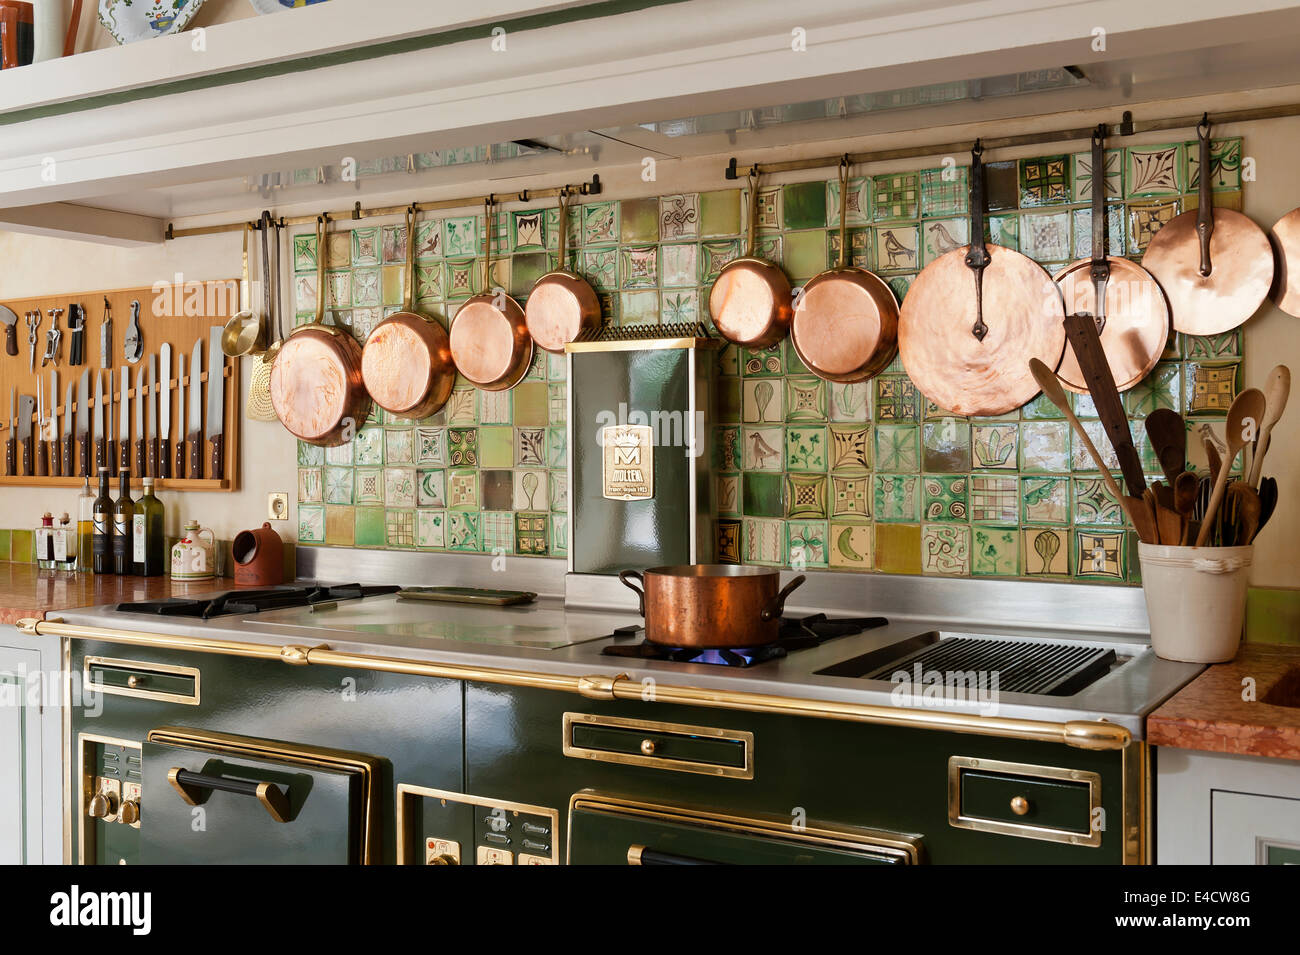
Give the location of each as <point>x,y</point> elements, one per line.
<point>217,798</point>
<point>619,830</point>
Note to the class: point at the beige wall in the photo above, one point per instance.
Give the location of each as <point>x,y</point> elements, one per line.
<point>91,35</point>
<point>39,266</point>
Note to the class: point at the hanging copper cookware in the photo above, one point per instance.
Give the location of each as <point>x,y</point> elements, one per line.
<point>406,363</point>
<point>975,316</point>
<point>1285,236</point>
<point>562,303</point>
<point>750,301</point>
<point>845,325</point>
<point>316,386</point>
<point>490,343</point>
<point>1215,265</point>
<point>1125,301</point>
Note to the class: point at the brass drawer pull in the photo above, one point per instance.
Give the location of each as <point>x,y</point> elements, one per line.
<point>1020,805</point>
<point>142,679</point>
<point>193,788</point>
<point>676,747</point>
<point>648,747</point>
<point>1045,803</point>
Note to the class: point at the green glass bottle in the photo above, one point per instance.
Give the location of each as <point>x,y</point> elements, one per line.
<point>102,561</point>
<point>123,515</point>
<point>147,534</point>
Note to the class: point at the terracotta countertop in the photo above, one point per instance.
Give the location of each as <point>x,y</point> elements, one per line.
<point>26,591</point>
<point>1210,714</point>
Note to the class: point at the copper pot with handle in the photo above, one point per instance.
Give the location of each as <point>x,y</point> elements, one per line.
<point>845,326</point>
<point>490,343</point>
<point>711,606</point>
<point>406,363</point>
<point>316,386</point>
<point>562,303</point>
<point>750,301</point>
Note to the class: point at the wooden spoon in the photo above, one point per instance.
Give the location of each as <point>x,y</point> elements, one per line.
<point>1142,517</point>
<point>1168,434</point>
<point>1213,460</point>
<point>1267,501</point>
<point>1186,488</point>
<point>1276,391</point>
<point>1246,510</point>
<point>1246,413</point>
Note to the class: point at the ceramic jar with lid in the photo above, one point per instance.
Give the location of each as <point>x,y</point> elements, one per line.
<point>193,558</point>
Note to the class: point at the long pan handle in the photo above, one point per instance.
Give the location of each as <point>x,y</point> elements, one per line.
<point>1205,209</point>
<point>977,256</point>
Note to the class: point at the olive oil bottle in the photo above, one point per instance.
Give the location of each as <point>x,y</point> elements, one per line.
<point>147,534</point>
<point>123,516</point>
<point>102,560</point>
<point>85,526</point>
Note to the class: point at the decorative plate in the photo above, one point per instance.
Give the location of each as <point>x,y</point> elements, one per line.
<point>275,6</point>
<point>132,20</point>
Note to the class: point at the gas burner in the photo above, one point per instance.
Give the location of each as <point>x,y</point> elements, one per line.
<point>251,601</point>
<point>797,633</point>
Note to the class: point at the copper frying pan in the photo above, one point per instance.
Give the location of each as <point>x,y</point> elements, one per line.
<point>316,386</point>
<point>562,303</point>
<point>1125,301</point>
<point>1285,236</point>
<point>1215,265</point>
<point>845,325</point>
<point>975,316</point>
<point>490,343</point>
<point>750,300</point>
<point>406,363</point>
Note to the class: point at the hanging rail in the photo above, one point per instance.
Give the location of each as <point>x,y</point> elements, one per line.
<point>591,188</point>
<point>1126,127</point>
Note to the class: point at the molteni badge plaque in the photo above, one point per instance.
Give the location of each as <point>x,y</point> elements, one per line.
<point>628,455</point>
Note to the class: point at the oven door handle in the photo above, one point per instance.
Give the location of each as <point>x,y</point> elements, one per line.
<point>196,787</point>
<point>644,855</point>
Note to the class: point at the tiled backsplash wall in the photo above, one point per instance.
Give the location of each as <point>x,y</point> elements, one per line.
<point>868,477</point>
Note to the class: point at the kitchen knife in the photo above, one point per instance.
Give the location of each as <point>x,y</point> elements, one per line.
<point>180,415</point>
<point>10,319</point>
<point>106,337</point>
<point>83,422</point>
<point>164,403</point>
<point>42,452</point>
<point>141,452</point>
<point>26,405</point>
<point>52,427</point>
<point>101,422</point>
<point>11,441</point>
<point>124,423</point>
<point>194,426</point>
<point>216,401</point>
<point>151,416</point>
<point>69,449</point>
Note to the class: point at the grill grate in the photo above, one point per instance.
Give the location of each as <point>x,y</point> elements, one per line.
<point>609,332</point>
<point>1050,669</point>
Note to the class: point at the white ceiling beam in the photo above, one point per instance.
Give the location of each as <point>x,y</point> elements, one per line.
<point>65,220</point>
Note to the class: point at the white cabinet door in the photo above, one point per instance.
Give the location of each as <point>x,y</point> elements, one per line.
<point>1255,830</point>
<point>20,758</point>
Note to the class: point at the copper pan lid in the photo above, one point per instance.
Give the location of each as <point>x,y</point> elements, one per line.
<point>562,303</point>
<point>750,302</point>
<point>1215,265</point>
<point>1135,328</point>
<point>1286,245</point>
<point>490,342</point>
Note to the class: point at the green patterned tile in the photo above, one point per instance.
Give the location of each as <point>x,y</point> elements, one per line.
<point>896,497</point>
<point>806,543</point>
<point>945,549</point>
<point>897,447</point>
<point>945,497</point>
<point>805,495</point>
<point>805,449</point>
<point>995,551</point>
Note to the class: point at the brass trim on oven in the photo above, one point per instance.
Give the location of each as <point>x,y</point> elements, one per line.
<point>299,754</point>
<point>85,831</point>
<point>189,699</point>
<point>1136,772</point>
<point>1092,838</point>
<point>1080,734</point>
<point>903,847</point>
<point>407,789</point>
<point>746,739</point>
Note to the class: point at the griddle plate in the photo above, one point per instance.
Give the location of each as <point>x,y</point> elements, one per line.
<point>1048,669</point>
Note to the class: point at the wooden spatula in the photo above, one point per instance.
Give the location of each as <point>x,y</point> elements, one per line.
<point>1243,418</point>
<point>1276,391</point>
<point>1168,434</point>
<point>1081,331</point>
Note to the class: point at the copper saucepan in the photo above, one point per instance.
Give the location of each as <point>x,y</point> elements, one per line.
<point>1215,265</point>
<point>406,363</point>
<point>316,386</point>
<point>1285,236</point>
<point>490,343</point>
<point>1127,304</point>
<point>562,303</point>
<point>845,325</point>
<point>711,606</point>
<point>963,363</point>
<point>750,300</point>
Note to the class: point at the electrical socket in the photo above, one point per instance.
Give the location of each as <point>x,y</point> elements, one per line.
<point>277,505</point>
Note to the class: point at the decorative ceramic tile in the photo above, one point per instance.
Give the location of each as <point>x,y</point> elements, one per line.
<point>463,447</point>
<point>762,495</point>
<point>850,402</point>
<point>369,486</point>
<point>769,208</point>
<point>463,531</point>
<point>806,544</point>
<point>762,402</point>
<point>1213,347</point>
<point>805,495</point>
<point>720,212</point>
<point>851,546</point>
<point>947,445</point>
<point>310,485</point>
<point>762,363</point>
<point>895,497</point>
<point>1081,226</point>
<point>530,447</point>
<point>1154,170</point>
<point>431,528</point>
<point>996,552</point>
<point>559,484</point>
<point>368,446</point>
<point>532,490</point>
<point>896,196</point>
<point>428,240</point>
<point>1211,388</point>
<point>805,399</point>
<point>430,446</point>
<point>532,535</point>
<point>304,252</point>
<point>311,524</point>
<point>394,243</point>
<point>898,548</point>
<point>1093,505</point>
<point>728,449</point>
<point>1045,236</point>
<point>1081,460</point>
<point>859,202</point>
<point>727,493</point>
<point>1225,165</point>
<point>462,406</point>
<point>805,449</point>
<point>399,528</point>
<point>994,500</point>
<point>399,487</point>
<point>398,446</point>
<point>945,498</point>
<point>851,495</point>
<point>599,223</point>
<point>460,236</point>
<point>365,246</point>
<point>850,448</point>
<point>338,485</point>
<point>897,248</point>
<point>1044,446</point>
<point>557,448</point>
<point>462,490</point>
<point>1145,220</point>
<point>431,488</point>
<point>763,541</point>
<point>1160,389</point>
<point>679,216</point>
<point>897,399</point>
<point>941,236</point>
<point>1047,552</point>
<point>897,447</point>
<point>994,445</point>
<point>1100,554</point>
<point>714,255</point>
<point>945,549</point>
<point>1112,172</point>
<point>1044,181</point>
<point>945,191</point>
<point>763,449</point>
<point>727,541</point>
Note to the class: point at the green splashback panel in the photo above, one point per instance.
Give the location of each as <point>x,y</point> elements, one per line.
<point>863,477</point>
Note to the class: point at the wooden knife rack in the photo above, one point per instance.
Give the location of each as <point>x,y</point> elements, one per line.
<point>181,331</point>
